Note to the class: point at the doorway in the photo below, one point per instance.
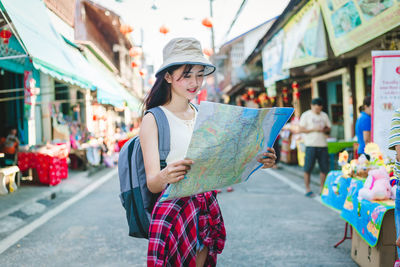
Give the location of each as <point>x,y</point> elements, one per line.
<point>331,93</point>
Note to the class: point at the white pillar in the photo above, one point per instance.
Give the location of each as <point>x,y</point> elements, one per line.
<point>47,92</point>
<point>347,106</point>
<point>89,111</point>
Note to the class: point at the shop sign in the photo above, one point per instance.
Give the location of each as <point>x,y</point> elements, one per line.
<point>304,40</point>
<point>272,59</point>
<point>352,23</point>
<point>385,95</point>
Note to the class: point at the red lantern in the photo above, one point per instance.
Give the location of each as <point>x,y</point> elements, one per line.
<point>125,29</point>
<point>208,52</point>
<point>285,95</point>
<point>5,35</point>
<point>207,22</point>
<point>245,97</point>
<point>142,72</point>
<point>134,64</point>
<point>164,29</point>
<point>296,93</point>
<point>250,92</point>
<point>135,51</point>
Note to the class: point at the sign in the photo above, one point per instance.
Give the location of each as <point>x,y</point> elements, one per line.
<point>385,95</point>
<point>304,40</point>
<point>353,23</point>
<point>272,60</point>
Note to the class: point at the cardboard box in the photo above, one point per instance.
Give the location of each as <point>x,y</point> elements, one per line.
<point>384,254</point>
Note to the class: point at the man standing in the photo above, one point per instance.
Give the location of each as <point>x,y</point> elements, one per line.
<point>315,125</point>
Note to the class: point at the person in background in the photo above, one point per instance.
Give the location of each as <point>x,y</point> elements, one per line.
<point>363,125</point>
<point>394,144</point>
<point>315,124</point>
<point>11,142</point>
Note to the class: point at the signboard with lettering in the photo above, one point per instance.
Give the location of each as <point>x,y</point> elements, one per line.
<point>385,95</point>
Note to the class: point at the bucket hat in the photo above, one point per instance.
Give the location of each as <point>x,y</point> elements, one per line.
<point>180,51</point>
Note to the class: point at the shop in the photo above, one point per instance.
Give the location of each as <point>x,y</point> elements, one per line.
<point>365,210</point>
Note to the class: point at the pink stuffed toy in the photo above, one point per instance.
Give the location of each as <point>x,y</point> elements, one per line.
<point>377,186</point>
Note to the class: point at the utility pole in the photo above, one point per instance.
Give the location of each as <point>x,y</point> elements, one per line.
<point>213,56</point>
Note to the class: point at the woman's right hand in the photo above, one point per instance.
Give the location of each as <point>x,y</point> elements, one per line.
<point>175,171</point>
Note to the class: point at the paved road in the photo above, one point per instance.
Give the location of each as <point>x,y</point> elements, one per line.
<point>268,224</point>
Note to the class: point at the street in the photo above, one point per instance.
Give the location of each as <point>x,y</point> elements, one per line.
<point>268,220</point>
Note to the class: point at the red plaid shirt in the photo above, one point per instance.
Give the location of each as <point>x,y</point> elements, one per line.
<point>173,231</point>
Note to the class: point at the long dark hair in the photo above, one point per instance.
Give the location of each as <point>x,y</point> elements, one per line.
<point>160,93</point>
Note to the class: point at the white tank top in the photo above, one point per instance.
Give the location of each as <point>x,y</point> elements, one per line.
<point>180,133</point>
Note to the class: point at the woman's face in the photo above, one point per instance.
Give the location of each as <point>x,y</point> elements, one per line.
<point>186,84</point>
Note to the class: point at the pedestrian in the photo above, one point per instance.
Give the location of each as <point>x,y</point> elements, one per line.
<point>394,144</point>
<point>9,145</point>
<point>315,125</point>
<point>186,231</point>
<point>363,126</point>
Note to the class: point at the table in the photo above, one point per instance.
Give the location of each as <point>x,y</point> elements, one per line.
<point>50,169</point>
<point>366,217</point>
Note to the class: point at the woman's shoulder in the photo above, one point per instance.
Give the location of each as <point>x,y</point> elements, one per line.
<point>148,122</point>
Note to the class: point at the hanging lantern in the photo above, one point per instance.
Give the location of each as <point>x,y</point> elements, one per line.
<point>207,22</point>
<point>208,52</point>
<point>257,101</point>
<point>5,36</point>
<point>135,51</point>
<point>245,97</point>
<point>296,93</point>
<point>125,29</point>
<point>164,29</point>
<point>143,72</point>
<point>250,92</point>
<point>134,64</point>
<point>285,95</point>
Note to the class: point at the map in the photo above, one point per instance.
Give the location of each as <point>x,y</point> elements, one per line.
<point>227,141</point>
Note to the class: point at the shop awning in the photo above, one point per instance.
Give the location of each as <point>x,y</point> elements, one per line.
<point>44,44</point>
<point>109,90</point>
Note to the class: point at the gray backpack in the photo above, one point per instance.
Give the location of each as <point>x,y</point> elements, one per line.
<point>136,198</point>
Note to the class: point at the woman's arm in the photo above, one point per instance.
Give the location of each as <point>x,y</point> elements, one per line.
<point>157,180</point>
<point>268,158</point>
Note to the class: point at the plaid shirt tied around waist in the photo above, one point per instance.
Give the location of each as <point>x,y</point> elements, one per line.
<point>173,231</point>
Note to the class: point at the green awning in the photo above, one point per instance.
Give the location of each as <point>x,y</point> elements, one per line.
<point>44,44</point>
<point>109,90</point>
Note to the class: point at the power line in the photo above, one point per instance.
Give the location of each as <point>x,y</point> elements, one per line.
<point>236,17</point>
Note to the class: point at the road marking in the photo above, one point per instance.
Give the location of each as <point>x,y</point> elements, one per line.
<point>293,185</point>
<point>29,228</point>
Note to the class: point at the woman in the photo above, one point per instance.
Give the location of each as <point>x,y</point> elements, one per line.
<point>187,231</point>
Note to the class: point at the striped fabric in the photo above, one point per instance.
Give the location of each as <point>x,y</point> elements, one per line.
<point>176,225</point>
<point>394,138</point>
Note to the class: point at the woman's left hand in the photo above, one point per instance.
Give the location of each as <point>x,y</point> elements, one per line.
<point>268,158</point>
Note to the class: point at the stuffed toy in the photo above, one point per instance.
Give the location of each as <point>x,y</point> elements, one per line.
<point>377,186</point>
<point>363,167</point>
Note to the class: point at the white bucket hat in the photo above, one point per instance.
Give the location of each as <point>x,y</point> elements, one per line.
<point>180,51</point>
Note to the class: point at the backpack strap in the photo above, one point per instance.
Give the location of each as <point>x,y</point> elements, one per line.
<point>163,133</point>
